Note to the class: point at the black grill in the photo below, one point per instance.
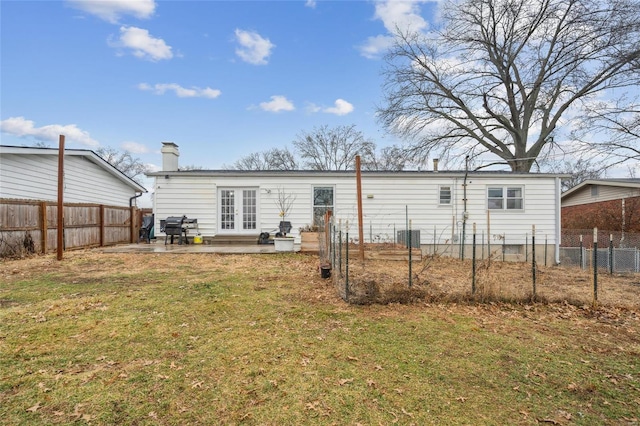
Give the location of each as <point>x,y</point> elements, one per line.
<point>177,225</point>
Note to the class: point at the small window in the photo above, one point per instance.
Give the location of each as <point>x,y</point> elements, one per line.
<point>594,190</point>
<point>322,202</point>
<point>445,195</point>
<point>505,198</point>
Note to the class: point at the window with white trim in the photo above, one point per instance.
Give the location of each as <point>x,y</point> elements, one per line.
<point>445,195</point>
<point>322,202</point>
<point>505,198</point>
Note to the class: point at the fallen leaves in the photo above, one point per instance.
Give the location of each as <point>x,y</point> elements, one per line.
<point>34,408</point>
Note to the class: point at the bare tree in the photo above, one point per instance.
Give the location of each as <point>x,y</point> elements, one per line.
<point>123,161</point>
<point>335,148</point>
<point>580,170</point>
<point>273,159</point>
<point>611,130</point>
<point>498,76</point>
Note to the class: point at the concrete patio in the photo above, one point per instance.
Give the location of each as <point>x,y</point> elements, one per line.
<point>158,246</point>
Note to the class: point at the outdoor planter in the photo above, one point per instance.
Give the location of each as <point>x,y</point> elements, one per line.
<point>309,242</point>
<point>283,243</point>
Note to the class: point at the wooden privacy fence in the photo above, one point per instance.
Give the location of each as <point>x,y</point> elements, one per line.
<point>32,226</point>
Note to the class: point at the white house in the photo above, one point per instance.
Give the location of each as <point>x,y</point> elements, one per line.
<point>32,174</point>
<point>442,205</point>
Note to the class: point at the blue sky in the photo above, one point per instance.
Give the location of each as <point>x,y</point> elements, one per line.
<point>221,79</point>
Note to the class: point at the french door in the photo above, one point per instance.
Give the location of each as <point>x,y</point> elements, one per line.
<point>237,210</point>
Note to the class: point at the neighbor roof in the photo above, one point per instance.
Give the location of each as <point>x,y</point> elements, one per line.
<point>87,153</point>
<point>621,183</point>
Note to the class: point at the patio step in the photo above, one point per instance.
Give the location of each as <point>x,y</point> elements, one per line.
<point>233,240</point>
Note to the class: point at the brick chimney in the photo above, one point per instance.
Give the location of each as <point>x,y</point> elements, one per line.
<point>170,156</point>
<point>435,164</point>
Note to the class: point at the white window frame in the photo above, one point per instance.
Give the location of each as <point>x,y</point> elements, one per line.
<point>331,207</point>
<point>504,197</point>
<point>440,190</point>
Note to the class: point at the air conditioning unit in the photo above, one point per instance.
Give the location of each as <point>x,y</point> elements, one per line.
<point>403,238</point>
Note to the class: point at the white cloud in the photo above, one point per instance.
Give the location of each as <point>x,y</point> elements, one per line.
<point>312,108</point>
<point>404,15</point>
<point>278,103</point>
<point>311,4</point>
<point>181,92</point>
<point>376,46</point>
<point>341,107</point>
<point>142,44</point>
<point>394,14</point>
<point>112,10</point>
<point>253,48</point>
<point>19,126</point>
<point>134,147</point>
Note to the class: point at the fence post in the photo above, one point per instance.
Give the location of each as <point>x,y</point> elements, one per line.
<point>410,249</point>
<point>333,243</point>
<point>526,247</point>
<point>346,268</point>
<point>434,240</point>
<point>581,254</point>
<point>533,259</point>
<point>545,249</point>
<point>473,262</point>
<point>595,266</point>
<point>610,254</point>
<point>340,248</point>
<point>504,244</point>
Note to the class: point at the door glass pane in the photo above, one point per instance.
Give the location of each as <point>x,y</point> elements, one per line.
<point>322,202</point>
<point>249,202</point>
<point>227,209</point>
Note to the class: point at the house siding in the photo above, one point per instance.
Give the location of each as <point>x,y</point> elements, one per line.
<point>35,177</point>
<point>393,195</point>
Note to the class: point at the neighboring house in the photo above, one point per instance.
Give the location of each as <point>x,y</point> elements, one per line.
<point>608,204</point>
<point>442,205</point>
<point>32,174</point>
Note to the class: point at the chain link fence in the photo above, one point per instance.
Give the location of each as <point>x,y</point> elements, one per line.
<point>615,252</point>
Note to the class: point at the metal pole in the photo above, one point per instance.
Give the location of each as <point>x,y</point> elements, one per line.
<point>434,240</point>
<point>581,254</point>
<point>60,241</point>
<point>526,247</point>
<point>360,224</point>
<point>595,265</point>
<point>504,245</point>
<point>545,249</point>
<point>610,254</point>
<point>473,262</point>
<point>533,258</point>
<point>346,266</point>
<point>410,249</point>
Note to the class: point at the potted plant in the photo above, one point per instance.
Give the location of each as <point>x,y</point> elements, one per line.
<point>284,202</point>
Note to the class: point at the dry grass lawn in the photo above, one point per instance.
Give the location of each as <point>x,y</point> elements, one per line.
<point>175,339</point>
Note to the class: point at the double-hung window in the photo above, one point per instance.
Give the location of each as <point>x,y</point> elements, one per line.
<point>505,198</point>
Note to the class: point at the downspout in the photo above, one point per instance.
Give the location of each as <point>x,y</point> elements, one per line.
<point>558,219</point>
<point>133,198</point>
